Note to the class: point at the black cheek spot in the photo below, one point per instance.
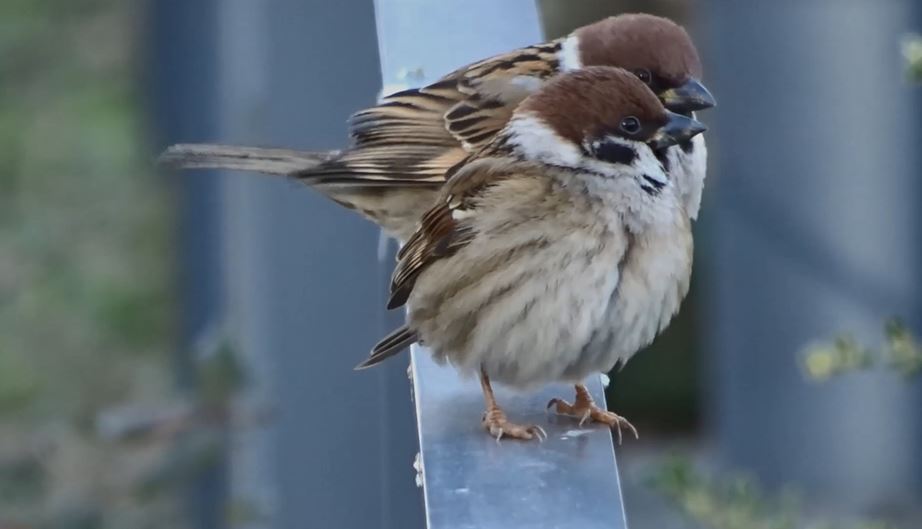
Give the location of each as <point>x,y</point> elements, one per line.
<point>612,152</point>
<point>687,146</point>
<point>655,185</point>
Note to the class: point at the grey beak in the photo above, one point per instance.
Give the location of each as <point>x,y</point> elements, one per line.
<point>689,97</point>
<point>678,129</point>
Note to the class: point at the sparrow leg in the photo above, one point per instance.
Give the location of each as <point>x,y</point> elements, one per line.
<point>494,419</point>
<point>584,409</point>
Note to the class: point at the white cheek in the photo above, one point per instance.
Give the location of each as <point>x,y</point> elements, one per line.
<point>537,142</point>
<point>569,54</point>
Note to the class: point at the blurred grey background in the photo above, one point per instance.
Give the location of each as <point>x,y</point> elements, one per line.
<point>176,350</point>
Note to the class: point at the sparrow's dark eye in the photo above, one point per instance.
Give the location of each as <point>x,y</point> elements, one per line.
<point>643,75</point>
<point>630,125</point>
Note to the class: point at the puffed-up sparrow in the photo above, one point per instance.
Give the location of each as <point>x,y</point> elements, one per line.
<point>558,250</point>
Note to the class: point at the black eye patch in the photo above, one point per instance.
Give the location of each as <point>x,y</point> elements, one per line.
<point>609,151</point>
<point>662,158</point>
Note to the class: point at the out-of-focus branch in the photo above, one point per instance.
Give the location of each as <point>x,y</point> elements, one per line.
<point>193,431</point>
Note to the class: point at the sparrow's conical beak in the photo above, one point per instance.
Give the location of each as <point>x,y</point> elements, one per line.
<point>689,97</point>
<point>678,129</point>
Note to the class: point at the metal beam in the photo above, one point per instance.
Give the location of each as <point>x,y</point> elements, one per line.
<point>472,481</point>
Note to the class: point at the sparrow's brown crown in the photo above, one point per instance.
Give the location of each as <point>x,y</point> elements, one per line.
<point>638,42</point>
<point>595,102</point>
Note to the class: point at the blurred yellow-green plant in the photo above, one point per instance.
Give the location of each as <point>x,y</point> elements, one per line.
<point>901,351</point>
<point>912,52</point>
<point>736,501</point>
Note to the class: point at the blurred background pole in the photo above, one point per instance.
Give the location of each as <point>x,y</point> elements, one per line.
<point>181,60</point>
<point>304,277</point>
<point>815,230</point>
<point>300,274</point>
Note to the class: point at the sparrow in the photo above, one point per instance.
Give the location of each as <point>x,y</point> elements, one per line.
<point>403,147</point>
<point>558,250</point>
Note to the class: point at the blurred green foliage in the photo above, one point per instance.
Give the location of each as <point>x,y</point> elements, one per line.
<point>912,52</point>
<point>901,351</point>
<point>84,267</point>
<point>736,501</point>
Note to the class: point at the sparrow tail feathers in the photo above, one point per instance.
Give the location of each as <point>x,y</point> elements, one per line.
<point>390,345</point>
<point>269,161</point>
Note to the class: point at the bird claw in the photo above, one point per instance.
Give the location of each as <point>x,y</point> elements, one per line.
<point>495,422</point>
<point>586,411</point>
<point>616,422</point>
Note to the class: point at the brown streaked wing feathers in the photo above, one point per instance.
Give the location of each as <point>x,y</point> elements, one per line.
<point>409,116</point>
<point>410,164</point>
<point>403,140</point>
<point>476,120</point>
<point>439,234</point>
<point>484,112</point>
<point>416,135</point>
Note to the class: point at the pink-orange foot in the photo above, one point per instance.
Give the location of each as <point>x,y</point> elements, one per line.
<point>495,422</point>
<point>585,410</point>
